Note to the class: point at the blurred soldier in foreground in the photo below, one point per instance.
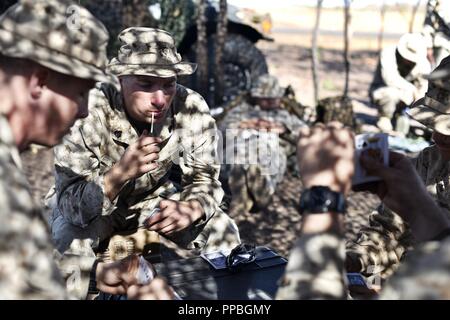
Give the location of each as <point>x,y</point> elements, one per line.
<point>257,124</point>
<point>384,242</point>
<point>316,265</point>
<point>436,30</point>
<point>113,171</point>
<point>46,71</point>
<point>398,78</point>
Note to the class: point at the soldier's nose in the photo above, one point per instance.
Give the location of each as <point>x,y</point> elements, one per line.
<point>158,100</point>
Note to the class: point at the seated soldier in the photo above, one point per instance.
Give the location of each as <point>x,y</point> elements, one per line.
<point>44,86</point>
<point>380,246</point>
<point>398,78</point>
<point>256,123</point>
<point>113,169</point>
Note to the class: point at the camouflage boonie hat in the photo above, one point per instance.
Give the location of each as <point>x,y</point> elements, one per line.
<point>45,32</point>
<point>266,86</point>
<point>149,52</point>
<point>433,110</point>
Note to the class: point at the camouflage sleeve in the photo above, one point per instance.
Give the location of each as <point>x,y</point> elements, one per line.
<point>27,270</point>
<point>423,274</point>
<point>315,269</point>
<point>293,124</point>
<point>200,162</point>
<point>380,246</point>
<point>79,173</point>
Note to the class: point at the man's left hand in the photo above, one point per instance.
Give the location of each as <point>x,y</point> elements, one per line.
<point>175,216</point>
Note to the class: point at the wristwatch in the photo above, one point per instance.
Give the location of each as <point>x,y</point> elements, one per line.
<point>320,199</point>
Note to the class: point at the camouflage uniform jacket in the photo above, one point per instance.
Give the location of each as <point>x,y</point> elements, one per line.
<point>388,237</point>
<point>96,143</point>
<point>27,269</point>
<point>433,36</point>
<point>316,271</point>
<point>387,74</point>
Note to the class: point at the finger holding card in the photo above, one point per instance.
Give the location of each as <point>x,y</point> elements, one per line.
<point>374,146</point>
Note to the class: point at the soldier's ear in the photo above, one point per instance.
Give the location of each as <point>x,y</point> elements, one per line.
<point>38,81</point>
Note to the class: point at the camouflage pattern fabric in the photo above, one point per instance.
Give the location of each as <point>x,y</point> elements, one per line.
<point>148,51</point>
<point>316,271</point>
<point>176,17</point>
<point>42,31</point>
<point>382,244</point>
<point>266,86</point>
<point>424,275</point>
<point>27,269</point>
<point>435,35</point>
<point>66,38</point>
<point>336,109</point>
<point>261,177</point>
<point>81,210</point>
<point>433,109</point>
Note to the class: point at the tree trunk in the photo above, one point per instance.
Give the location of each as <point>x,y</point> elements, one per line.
<point>315,58</point>
<point>381,33</point>
<point>347,19</point>
<point>202,50</point>
<point>220,45</point>
<point>413,16</point>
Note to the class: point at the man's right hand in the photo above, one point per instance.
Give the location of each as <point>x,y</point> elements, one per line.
<point>138,159</point>
<point>158,289</point>
<point>403,192</point>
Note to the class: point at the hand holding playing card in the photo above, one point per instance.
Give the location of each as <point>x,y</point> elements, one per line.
<point>374,146</point>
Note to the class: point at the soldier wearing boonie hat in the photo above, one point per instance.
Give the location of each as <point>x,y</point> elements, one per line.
<point>398,79</point>
<point>125,151</point>
<point>384,242</point>
<point>42,32</point>
<point>149,52</point>
<point>46,70</point>
<point>252,185</point>
<point>433,110</point>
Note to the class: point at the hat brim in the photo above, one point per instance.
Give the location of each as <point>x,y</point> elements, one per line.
<point>13,46</point>
<point>260,96</point>
<point>429,117</point>
<point>408,55</point>
<point>162,71</point>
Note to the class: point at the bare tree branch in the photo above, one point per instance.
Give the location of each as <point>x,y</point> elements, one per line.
<point>220,46</point>
<point>347,19</point>
<point>413,16</point>
<point>315,58</point>
<point>202,49</point>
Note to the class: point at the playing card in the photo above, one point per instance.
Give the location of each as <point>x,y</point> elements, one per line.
<point>151,214</point>
<point>375,145</point>
<point>145,274</point>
